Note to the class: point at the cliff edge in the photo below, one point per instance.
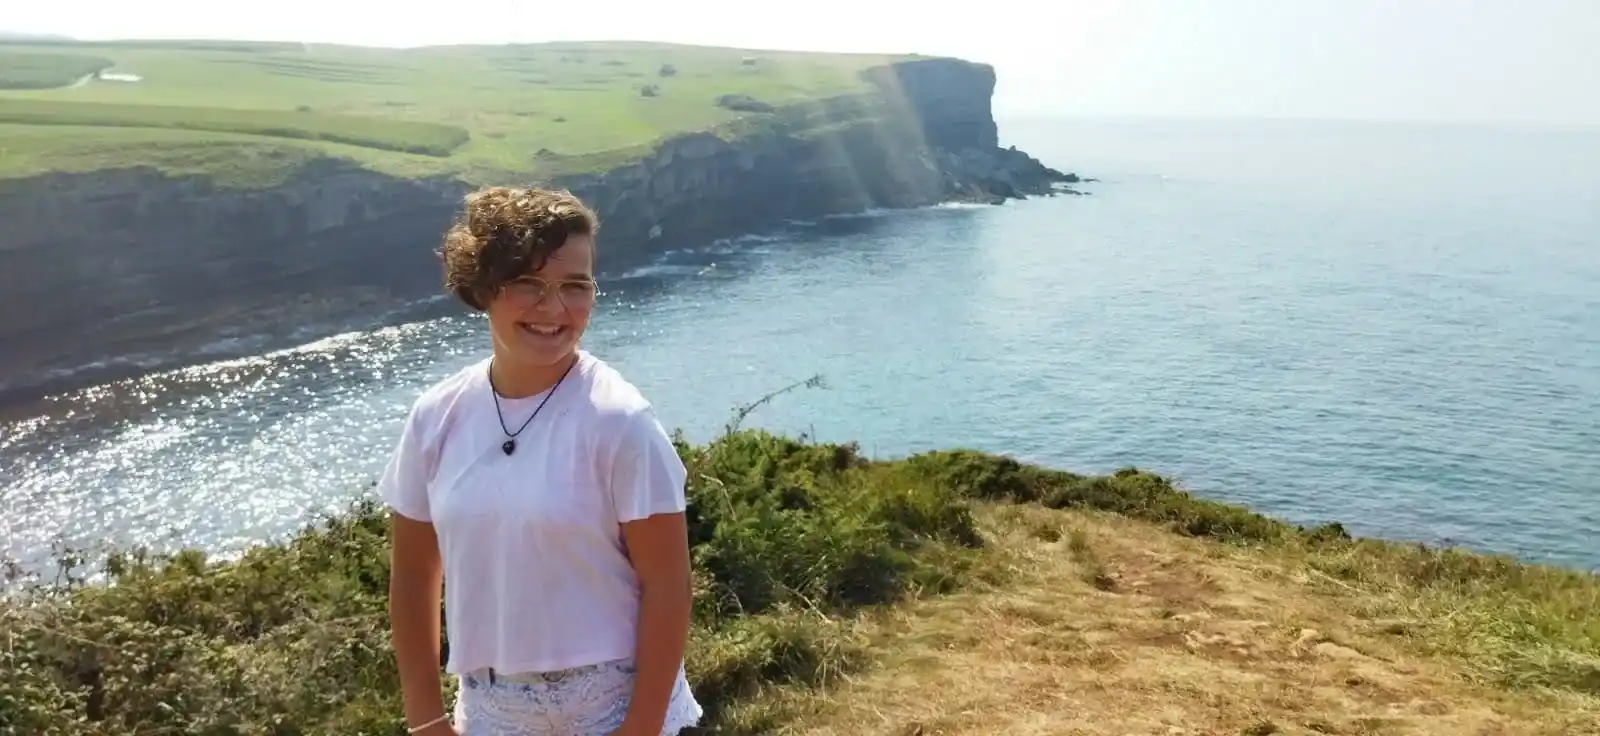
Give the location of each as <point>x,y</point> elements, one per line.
<point>949,592</point>
<point>143,268</point>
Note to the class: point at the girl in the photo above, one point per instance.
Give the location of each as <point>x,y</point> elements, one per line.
<point>537,489</point>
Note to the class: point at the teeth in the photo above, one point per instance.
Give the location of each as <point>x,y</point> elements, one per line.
<point>542,329</point>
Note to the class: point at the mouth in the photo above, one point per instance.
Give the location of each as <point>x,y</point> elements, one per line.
<point>543,331</point>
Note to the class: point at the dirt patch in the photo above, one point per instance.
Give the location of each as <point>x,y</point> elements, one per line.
<point>1192,638</point>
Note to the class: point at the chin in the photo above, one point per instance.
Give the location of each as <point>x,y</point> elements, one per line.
<point>544,357</point>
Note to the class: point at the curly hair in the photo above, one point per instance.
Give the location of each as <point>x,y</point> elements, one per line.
<point>504,233</point>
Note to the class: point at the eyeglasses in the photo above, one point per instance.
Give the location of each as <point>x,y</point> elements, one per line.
<point>532,290</point>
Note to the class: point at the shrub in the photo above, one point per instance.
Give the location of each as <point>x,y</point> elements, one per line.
<point>293,638</point>
<point>1130,492</point>
<point>744,103</point>
<point>785,533</point>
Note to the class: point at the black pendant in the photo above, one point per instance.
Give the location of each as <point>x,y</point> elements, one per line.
<point>508,446</point>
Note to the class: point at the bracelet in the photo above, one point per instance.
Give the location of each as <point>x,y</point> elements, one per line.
<point>429,724</point>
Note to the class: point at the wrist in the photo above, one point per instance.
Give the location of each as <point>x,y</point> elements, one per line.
<point>432,726</point>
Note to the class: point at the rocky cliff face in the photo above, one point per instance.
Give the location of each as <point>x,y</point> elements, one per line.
<point>949,101</point>
<point>117,272</point>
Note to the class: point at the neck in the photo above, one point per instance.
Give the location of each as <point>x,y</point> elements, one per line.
<point>514,381</point>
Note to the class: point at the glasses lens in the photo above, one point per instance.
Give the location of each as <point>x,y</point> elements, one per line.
<point>576,291</point>
<point>573,291</point>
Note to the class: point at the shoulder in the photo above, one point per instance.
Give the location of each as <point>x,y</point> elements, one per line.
<point>623,418</point>
<point>612,399</point>
<point>441,398</point>
<point>635,456</point>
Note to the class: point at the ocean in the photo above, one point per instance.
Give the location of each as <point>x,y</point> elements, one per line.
<point>1392,326</point>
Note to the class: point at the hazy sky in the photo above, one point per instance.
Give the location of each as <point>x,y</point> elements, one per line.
<point>1533,61</point>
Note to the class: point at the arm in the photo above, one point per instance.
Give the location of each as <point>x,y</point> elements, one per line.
<point>415,577</point>
<point>647,491</point>
<point>659,549</point>
<point>414,585</point>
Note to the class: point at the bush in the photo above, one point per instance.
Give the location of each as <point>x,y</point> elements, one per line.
<point>1130,492</point>
<point>744,103</point>
<point>293,639</point>
<point>786,535</point>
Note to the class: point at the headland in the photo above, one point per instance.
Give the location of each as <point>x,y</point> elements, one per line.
<point>168,203</point>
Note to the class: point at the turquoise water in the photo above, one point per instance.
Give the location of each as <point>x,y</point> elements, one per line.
<point>1393,327</point>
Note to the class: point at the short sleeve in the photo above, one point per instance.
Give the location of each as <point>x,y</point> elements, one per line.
<point>647,476</point>
<point>404,483</point>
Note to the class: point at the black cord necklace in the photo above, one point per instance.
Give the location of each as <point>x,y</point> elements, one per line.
<point>510,445</point>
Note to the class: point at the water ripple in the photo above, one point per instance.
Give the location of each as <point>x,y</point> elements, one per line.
<point>1401,363</point>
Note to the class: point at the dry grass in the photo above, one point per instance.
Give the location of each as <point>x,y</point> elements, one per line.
<point>1095,624</point>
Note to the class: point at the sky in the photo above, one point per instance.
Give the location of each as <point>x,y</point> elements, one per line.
<point>1472,61</point>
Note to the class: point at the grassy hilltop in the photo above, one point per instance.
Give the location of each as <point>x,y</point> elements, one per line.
<point>949,592</point>
<point>244,110</point>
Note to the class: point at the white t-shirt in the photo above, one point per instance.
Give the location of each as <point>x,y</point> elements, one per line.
<point>536,576</point>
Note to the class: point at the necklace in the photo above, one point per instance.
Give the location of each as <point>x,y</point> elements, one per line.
<point>510,445</point>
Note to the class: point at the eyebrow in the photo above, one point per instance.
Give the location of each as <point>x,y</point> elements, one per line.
<point>567,277</point>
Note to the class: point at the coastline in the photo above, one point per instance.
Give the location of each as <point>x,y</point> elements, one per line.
<point>949,591</point>
<point>186,265</point>
<point>313,322</point>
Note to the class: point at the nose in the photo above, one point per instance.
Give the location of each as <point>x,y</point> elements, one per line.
<point>549,301</point>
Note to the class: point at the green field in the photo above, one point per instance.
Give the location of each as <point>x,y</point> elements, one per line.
<point>23,70</point>
<point>429,139</point>
<point>483,112</point>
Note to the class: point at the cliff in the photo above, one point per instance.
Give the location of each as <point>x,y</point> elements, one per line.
<point>122,271</point>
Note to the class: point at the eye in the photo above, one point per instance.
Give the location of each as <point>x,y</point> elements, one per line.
<point>577,288</point>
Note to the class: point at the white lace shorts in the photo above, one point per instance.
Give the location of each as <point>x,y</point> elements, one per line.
<point>583,701</point>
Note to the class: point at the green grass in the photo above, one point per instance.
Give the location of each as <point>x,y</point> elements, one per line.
<point>40,70</point>
<point>292,638</point>
<point>574,102</point>
<point>789,539</point>
<point>233,159</point>
<point>428,139</point>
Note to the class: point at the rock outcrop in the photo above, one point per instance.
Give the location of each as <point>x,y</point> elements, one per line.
<point>950,102</point>
<point>116,272</point>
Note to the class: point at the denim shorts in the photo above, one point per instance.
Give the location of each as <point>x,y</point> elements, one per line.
<point>582,701</point>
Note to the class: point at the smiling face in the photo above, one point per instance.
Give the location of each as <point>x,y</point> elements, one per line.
<point>537,319</point>
<point>526,258</point>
